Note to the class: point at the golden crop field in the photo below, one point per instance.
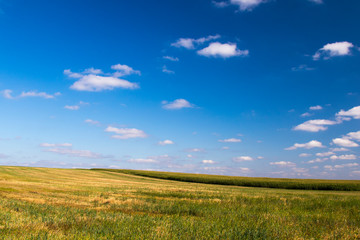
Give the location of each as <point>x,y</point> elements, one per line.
<point>44,203</point>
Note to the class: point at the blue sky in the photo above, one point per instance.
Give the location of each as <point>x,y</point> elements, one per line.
<point>237,87</point>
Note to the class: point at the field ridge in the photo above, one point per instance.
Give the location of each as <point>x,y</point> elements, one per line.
<point>281,183</point>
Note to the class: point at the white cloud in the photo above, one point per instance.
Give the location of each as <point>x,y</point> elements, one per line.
<point>166,142</point>
<point>325,154</point>
<point>208,161</point>
<point>195,150</point>
<point>315,125</point>
<point>8,94</point>
<point>124,70</point>
<point>354,135</point>
<point>306,114</point>
<point>96,83</point>
<point>92,122</point>
<point>317,107</point>
<point>283,164</point>
<point>353,112</point>
<point>340,149</point>
<point>56,145</point>
<point>260,157</point>
<point>39,94</point>
<point>344,157</point>
<point>350,165</point>
<point>220,4</point>
<point>143,160</point>
<point>166,70</point>
<point>230,140</point>
<point>317,1</point>
<point>75,107</point>
<point>344,142</point>
<point>242,159</point>
<point>190,43</point>
<point>247,5</point>
<point>225,148</point>
<point>71,74</point>
<point>224,50</point>
<point>333,50</point>
<point>318,160</point>
<point>173,59</point>
<point>126,133</point>
<point>76,153</point>
<point>305,155</point>
<point>309,145</point>
<point>94,80</point>
<point>302,67</point>
<point>177,104</point>
<point>93,71</point>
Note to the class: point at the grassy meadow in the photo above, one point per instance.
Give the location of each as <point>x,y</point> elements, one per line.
<point>43,203</point>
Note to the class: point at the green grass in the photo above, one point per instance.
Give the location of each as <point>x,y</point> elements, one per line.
<point>42,203</point>
<point>283,183</point>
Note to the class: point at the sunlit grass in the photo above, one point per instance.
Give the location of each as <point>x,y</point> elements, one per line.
<point>84,204</point>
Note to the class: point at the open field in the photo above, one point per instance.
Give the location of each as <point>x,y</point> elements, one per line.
<point>305,184</point>
<point>40,203</point>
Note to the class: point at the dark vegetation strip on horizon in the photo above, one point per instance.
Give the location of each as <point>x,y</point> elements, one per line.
<point>283,183</point>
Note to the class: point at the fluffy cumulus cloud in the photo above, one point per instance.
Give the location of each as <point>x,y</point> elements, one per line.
<point>283,164</point>
<point>344,157</point>
<point>230,140</point>
<point>223,50</point>
<point>247,5</point>
<point>7,93</point>
<point>344,142</point>
<point>126,133</point>
<point>166,142</point>
<point>94,80</point>
<point>353,112</point>
<point>177,104</point>
<point>325,154</point>
<point>333,50</point>
<point>308,145</point>
<point>191,43</point>
<point>243,159</point>
<point>354,135</point>
<point>315,125</point>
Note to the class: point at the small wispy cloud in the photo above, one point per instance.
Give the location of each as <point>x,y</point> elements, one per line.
<point>177,104</point>
<point>7,93</point>
<point>308,145</point>
<point>126,133</point>
<point>191,43</point>
<point>166,142</point>
<point>170,58</point>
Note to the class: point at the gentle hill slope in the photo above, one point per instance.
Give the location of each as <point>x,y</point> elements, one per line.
<point>283,183</point>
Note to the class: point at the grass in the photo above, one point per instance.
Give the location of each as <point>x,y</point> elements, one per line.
<point>42,203</point>
<point>283,183</point>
